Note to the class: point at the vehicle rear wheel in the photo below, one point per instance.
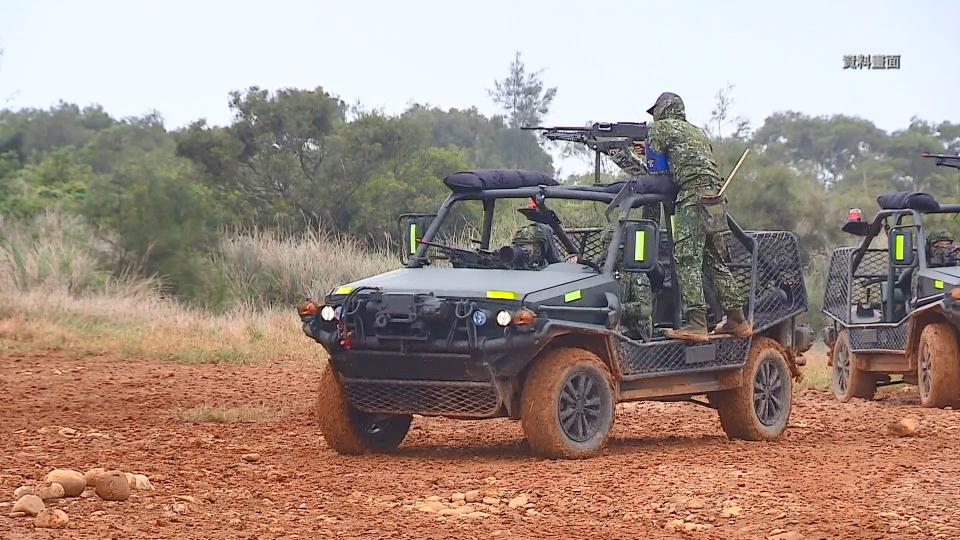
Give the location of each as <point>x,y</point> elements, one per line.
<point>567,404</point>
<point>759,409</point>
<point>938,366</point>
<point>349,431</point>
<point>848,381</point>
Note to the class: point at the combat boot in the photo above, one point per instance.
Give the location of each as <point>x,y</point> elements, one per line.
<point>735,324</point>
<point>695,328</point>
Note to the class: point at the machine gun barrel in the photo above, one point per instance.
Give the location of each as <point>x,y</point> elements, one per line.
<point>600,137</point>
<point>944,160</point>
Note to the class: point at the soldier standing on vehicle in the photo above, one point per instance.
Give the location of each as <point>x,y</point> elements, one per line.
<point>700,247</point>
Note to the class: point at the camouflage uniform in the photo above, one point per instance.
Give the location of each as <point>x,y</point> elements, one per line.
<point>628,160</point>
<point>942,255</point>
<point>697,255</point>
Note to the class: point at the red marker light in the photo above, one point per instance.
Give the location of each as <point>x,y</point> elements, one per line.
<point>532,203</point>
<point>925,154</point>
<point>854,215</point>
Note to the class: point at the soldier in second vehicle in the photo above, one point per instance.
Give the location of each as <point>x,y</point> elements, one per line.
<point>700,219</point>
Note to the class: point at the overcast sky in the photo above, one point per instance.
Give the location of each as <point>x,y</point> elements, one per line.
<point>608,59</point>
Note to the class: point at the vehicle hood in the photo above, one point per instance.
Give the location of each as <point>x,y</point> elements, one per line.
<point>468,282</point>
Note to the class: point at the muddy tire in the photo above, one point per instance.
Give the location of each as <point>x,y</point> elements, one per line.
<point>938,366</point>
<point>847,380</point>
<point>758,410</point>
<point>567,404</point>
<point>349,431</point>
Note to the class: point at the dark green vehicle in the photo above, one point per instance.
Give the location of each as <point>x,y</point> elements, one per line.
<point>895,302</point>
<point>463,330</point>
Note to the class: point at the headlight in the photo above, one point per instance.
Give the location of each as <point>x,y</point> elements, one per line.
<point>504,318</point>
<point>479,317</point>
<point>328,313</point>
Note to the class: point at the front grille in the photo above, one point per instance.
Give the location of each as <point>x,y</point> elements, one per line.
<point>432,398</point>
<point>879,339</point>
<point>638,360</point>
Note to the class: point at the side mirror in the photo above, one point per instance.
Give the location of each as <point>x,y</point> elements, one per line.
<point>641,245</point>
<point>901,247</point>
<point>412,229</point>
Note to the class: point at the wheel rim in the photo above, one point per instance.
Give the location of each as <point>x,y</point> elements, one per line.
<point>769,392</point>
<point>926,370</point>
<point>580,407</point>
<point>841,369</point>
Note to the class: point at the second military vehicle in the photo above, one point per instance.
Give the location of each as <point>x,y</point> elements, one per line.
<point>895,302</point>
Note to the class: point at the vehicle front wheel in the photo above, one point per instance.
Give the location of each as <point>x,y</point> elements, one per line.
<point>758,410</point>
<point>568,404</point>
<point>349,431</point>
<point>847,380</point>
<point>938,366</point>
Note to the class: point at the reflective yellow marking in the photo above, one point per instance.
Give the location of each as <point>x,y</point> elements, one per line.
<point>899,247</point>
<point>573,296</point>
<point>343,290</point>
<point>639,245</point>
<point>503,295</point>
<point>673,226</point>
<point>937,284</point>
<point>413,238</point>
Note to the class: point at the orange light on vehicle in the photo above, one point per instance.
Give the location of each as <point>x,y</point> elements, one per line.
<point>525,316</point>
<point>308,309</point>
<point>955,293</point>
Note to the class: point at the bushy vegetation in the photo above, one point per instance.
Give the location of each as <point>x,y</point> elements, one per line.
<point>300,191</point>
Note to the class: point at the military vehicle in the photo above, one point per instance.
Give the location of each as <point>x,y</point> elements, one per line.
<point>467,331</point>
<point>894,301</point>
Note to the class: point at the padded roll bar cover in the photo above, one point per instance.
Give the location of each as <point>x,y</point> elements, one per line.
<point>904,200</point>
<point>497,179</point>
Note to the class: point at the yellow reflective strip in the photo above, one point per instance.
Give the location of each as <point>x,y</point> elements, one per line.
<point>503,295</point>
<point>343,290</point>
<point>673,226</point>
<point>573,296</point>
<point>639,245</point>
<point>413,238</point>
<point>898,254</point>
<point>938,284</point>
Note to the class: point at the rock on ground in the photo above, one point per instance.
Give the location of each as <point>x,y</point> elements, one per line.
<point>28,504</point>
<point>91,476</point>
<point>72,481</point>
<point>113,486</point>
<point>51,518</point>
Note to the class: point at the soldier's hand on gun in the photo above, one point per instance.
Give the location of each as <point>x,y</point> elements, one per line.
<point>640,147</point>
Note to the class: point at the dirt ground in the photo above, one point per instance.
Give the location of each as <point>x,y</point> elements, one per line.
<point>837,473</point>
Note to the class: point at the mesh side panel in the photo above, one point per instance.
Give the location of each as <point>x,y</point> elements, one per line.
<point>589,240</point>
<point>780,292</point>
<point>873,266</point>
<point>639,360</point>
<point>886,339</point>
<point>837,287</point>
<point>423,397</point>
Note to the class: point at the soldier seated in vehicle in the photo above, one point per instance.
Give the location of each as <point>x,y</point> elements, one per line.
<point>532,248</point>
<point>941,250</point>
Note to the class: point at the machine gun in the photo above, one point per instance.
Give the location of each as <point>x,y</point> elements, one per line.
<point>944,160</point>
<point>600,137</point>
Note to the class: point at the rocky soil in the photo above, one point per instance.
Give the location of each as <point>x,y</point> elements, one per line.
<point>880,469</point>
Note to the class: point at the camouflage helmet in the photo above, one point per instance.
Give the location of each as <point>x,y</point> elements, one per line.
<point>530,234</point>
<point>668,105</point>
<point>939,236</point>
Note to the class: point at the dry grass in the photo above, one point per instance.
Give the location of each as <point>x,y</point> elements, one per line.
<point>264,268</point>
<point>816,374</point>
<point>149,326</point>
<point>222,415</point>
